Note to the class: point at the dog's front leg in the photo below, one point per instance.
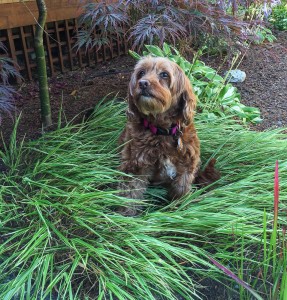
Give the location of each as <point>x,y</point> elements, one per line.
<point>133,188</point>
<point>180,186</point>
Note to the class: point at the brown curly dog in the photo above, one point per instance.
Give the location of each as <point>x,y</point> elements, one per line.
<point>160,143</point>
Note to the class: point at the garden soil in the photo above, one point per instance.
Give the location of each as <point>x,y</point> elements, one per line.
<point>75,93</point>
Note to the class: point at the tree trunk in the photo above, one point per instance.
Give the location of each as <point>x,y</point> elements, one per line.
<point>41,65</point>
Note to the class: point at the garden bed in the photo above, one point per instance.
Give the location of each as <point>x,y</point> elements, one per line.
<point>74,92</point>
<point>71,174</point>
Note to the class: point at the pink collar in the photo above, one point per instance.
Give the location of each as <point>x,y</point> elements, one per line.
<point>173,130</point>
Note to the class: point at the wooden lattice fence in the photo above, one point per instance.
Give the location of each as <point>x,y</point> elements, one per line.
<point>59,40</point>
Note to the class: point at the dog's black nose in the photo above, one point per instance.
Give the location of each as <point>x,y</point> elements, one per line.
<point>143,84</point>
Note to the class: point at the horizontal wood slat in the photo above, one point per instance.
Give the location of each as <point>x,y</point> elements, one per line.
<point>19,14</point>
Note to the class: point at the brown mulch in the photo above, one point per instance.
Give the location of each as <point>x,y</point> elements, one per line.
<point>265,86</point>
<point>71,94</point>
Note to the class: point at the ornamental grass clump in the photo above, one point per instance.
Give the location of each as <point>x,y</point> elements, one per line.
<point>62,239</point>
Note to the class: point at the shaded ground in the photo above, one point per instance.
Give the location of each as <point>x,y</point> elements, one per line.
<point>265,87</point>
<point>266,83</point>
<point>71,93</point>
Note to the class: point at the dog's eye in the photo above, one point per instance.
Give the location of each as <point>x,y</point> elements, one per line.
<point>141,74</point>
<point>164,75</point>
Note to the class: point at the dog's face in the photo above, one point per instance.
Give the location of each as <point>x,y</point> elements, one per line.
<point>157,85</point>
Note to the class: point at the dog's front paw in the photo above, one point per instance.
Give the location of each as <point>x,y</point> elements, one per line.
<point>129,211</point>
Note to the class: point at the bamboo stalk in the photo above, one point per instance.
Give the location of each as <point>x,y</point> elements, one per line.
<point>41,65</point>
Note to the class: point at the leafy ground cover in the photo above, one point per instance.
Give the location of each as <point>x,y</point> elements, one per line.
<point>279,16</point>
<point>60,234</point>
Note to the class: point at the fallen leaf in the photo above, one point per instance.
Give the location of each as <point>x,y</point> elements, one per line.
<point>74,92</point>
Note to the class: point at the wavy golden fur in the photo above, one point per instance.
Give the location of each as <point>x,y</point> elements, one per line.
<point>160,93</point>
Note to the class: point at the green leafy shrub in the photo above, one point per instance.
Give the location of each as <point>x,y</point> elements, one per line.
<point>100,22</point>
<point>215,96</point>
<point>263,34</point>
<point>279,16</point>
<point>153,22</point>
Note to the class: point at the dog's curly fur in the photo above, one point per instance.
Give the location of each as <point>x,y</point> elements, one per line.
<point>159,92</point>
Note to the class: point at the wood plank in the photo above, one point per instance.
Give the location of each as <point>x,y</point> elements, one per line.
<point>49,52</point>
<point>59,47</point>
<point>11,45</point>
<point>79,52</point>
<point>12,50</point>
<point>26,56</point>
<point>22,14</point>
<point>12,1</point>
<point>68,38</point>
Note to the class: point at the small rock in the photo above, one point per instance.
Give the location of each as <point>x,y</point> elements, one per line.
<point>89,82</point>
<point>235,75</point>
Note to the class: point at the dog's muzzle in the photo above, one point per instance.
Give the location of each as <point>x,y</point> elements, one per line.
<point>144,86</point>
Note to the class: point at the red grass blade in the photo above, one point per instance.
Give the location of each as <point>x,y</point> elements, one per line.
<point>273,240</point>
<point>276,192</point>
<point>234,277</point>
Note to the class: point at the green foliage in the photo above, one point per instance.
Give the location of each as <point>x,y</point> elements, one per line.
<point>61,236</point>
<point>100,22</point>
<point>279,16</point>
<point>264,34</point>
<point>153,22</point>
<point>216,98</point>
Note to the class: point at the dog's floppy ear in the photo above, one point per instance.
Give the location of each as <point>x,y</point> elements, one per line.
<point>186,98</point>
<point>132,111</point>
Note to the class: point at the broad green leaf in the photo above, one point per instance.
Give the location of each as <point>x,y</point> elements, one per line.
<point>155,50</point>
